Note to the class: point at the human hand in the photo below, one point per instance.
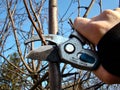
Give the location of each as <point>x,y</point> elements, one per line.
<point>95,28</point>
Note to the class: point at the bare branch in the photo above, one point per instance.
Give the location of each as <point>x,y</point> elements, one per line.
<point>89,8</point>
<point>36,17</point>
<point>16,38</point>
<point>13,65</point>
<point>40,81</point>
<point>78,8</point>
<point>37,29</point>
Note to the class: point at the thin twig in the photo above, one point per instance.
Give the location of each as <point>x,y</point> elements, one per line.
<point>36,17</point>
<point>16,38</point>
<point>40,81</point>
<point>13,64</point>
<point>89,8</point>
<point>78,8</point>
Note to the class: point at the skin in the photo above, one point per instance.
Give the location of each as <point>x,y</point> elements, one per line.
<point>94,29</point>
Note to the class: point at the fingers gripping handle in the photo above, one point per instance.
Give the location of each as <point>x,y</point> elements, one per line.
<point>90,57</point>
<point>82,39</point>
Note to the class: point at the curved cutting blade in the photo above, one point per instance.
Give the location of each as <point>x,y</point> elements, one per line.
<point>41,53</point>
<point>57,39</point>
<point>45,53</point>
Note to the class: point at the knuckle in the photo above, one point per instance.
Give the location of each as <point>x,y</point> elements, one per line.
<point>112,13</point>
<point>108,11</point>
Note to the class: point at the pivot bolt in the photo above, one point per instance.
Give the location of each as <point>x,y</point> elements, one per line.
<point>69,48</point>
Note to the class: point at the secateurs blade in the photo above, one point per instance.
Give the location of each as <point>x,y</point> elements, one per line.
<point>68,50</point>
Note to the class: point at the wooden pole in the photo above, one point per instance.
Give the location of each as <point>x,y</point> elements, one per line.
<point>54,68</point>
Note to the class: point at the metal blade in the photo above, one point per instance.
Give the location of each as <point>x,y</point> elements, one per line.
<point>41,53</point>
<point>57,39</point>
<point>32,39</point>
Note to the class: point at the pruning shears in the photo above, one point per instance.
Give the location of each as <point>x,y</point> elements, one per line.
<point>67,50</point>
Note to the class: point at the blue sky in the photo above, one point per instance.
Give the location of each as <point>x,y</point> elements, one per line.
<point>106,4</point>
<point>63,5</point>
<point>72,12</point>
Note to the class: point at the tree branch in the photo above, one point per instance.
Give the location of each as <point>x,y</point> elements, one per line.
<point>89,8</point>
<point>40,81</point>
<point>36,17</point>
<point>16,38</point>
<point>37,29</point>
<point>13,65</point>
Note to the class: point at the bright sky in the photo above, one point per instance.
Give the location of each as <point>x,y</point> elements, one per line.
<point>106,4</point>
<point>72,12</point>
